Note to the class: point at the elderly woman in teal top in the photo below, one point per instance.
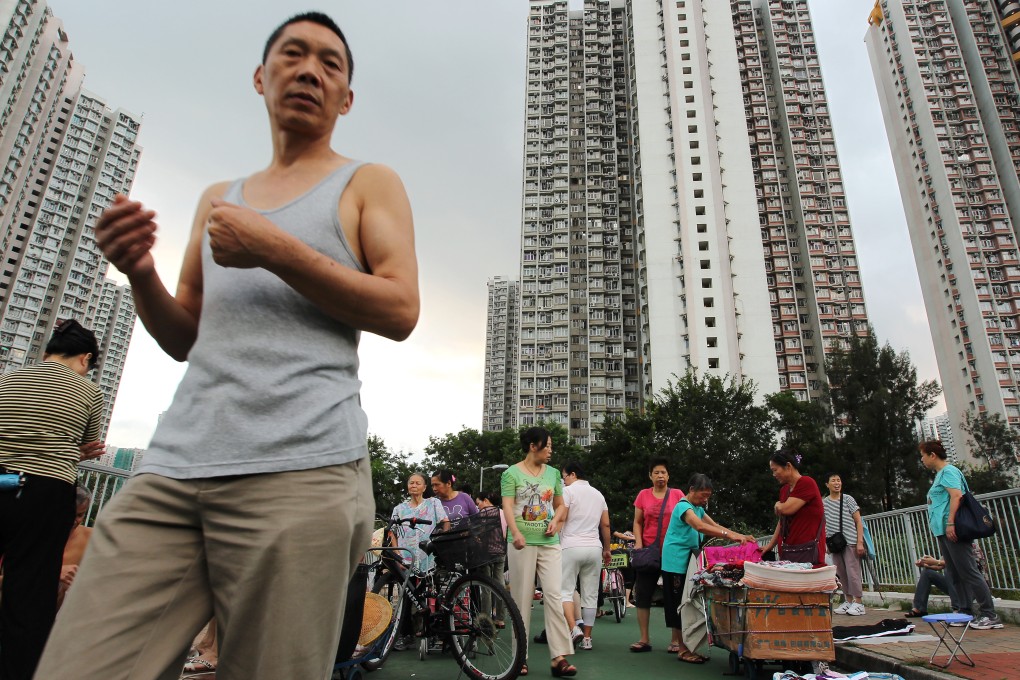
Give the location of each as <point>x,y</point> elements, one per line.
<point>944,497</point>
<point>687,527</point>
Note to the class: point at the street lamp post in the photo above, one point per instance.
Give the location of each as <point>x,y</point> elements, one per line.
<point>481,475</point>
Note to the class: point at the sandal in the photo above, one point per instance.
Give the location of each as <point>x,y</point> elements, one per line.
<point>688,656</point>
<point>524,670</point>
<point>640,647</point>
<point>563,669</point>
<point>914,614</point>
<point>499,623</point>
<point>197,665</point>
<point>673,648</point>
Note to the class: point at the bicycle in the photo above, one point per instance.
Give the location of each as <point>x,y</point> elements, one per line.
<point>613,586</point>
<point>452,604</point>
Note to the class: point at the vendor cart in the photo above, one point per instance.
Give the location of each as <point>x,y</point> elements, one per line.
<point>758,626</point>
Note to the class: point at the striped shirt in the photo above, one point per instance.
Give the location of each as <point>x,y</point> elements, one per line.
<point>832,517</point>
<point>46,411</point>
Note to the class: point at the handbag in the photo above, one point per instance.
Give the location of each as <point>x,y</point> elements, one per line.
<point>837,542</point>
<point>650,558</point>
<point>972,520</point>
<point>809,552</point>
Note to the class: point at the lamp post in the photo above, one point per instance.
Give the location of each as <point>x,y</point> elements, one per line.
<point>481,475</point>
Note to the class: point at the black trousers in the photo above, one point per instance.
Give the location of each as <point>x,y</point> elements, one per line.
<point>34,527</point>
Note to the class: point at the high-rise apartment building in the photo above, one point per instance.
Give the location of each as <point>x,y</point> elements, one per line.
<point>67,154</point>
<point>502,331</point>
<point>948,85</point>
<point>683,205</point>
<point>941,428</point>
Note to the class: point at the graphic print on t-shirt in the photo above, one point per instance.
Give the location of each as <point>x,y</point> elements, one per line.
<point>537,503</point>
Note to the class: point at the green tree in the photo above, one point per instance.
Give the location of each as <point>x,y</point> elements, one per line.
<point>468,451</point>
<point>389,475</point>
<point>877,403</point>
<point>705,424</point>
<point>805,426</point>
<point>992,440</point>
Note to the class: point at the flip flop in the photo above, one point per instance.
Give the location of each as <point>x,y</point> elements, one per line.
<point>524,670</point>
<point>640,647</point>
<point>688,656</point>
<point>673,648</point>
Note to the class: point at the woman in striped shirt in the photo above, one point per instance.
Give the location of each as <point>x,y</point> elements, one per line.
<point>50,418</point>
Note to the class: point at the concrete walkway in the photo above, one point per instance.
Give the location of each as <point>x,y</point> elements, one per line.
<point>996,653</point>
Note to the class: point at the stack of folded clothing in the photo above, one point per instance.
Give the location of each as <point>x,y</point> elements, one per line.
<point>789,577</point>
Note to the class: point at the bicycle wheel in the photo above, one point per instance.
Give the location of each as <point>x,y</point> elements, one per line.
<point>484,651</point>
<point>391,587</point>
<point>618,592</point>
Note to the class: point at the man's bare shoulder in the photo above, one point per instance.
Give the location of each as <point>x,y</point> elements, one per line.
<point>376,177</point>
<point>217,190</point>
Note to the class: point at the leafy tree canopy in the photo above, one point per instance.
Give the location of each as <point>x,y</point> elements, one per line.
<point>700,424</point>
<point>877,403</point>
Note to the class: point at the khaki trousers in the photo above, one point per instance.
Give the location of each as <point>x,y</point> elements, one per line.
<point>545,561</point>
<point>269,555</point>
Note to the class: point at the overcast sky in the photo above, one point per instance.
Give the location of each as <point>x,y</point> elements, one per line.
<point>439,96</point>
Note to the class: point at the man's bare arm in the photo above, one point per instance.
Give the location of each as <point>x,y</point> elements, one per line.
<point>384,301</point>
<point>172,320</point>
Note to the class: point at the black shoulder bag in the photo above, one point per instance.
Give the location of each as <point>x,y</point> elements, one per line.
<point>972,520</point>
<point>837,542</point>
<point>650,558</point>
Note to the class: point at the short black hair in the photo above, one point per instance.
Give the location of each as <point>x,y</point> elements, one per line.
<point>574,468</point>
<point>786,456</point>
<point>934,447</point>
<point>316,18</point>
<point>699,482</point>
<point>71,339</point>
<point>534,435</point>
<point>656,462</point>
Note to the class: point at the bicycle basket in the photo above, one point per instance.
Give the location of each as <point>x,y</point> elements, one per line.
<point>619,560</point>
<point>470,542</point>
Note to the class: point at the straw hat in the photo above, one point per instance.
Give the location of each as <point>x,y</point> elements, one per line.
<point>376,618</point>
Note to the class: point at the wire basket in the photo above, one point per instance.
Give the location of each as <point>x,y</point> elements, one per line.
<point>470,542</point>
<point>619,560</point>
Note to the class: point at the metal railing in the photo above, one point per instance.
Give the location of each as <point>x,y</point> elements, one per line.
<point>103,482</point>
<point>902,536</point>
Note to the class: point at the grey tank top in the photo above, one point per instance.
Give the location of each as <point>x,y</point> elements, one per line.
<point>272,382</point>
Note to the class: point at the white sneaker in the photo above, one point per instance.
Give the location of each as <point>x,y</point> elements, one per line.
<point>576,635</point>
<point>841,609</point>
<point>986,623</point>
<point>856,609</point>
<point>586,643</point>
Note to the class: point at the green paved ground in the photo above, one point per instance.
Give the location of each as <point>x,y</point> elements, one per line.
<point>609,660</point>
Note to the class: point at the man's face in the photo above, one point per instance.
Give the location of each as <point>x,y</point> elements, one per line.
<point>305,78</point>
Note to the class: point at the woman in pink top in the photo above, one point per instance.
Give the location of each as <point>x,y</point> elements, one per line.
<point>647,507</point>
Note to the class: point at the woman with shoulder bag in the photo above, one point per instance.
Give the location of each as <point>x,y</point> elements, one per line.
<point>801,524</point>
<point>844,540</point>
<point>652,510</point>
<point>944,497</point>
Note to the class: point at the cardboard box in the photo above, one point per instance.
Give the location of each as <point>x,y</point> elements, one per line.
<point>767,624</point>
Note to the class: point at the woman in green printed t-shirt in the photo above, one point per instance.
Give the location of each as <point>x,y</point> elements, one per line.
<point>533,506</point>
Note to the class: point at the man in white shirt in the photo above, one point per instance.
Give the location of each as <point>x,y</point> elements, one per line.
<point>584,540</point>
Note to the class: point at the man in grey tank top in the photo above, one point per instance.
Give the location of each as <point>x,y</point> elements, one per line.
<point>254,501</point>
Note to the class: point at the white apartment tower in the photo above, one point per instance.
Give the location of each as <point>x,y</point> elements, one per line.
<point>683,205</point>
<point>67,155</point>
<point>502,330</point>
<point>947,79</point>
